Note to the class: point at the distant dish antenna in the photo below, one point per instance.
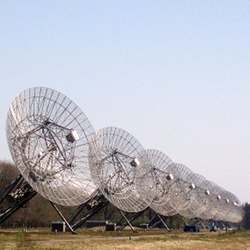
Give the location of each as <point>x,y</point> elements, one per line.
<point>193,196</point>
<point>227,210</point>
<point>216,209</point>
<point>164,178</point>
<point>190,187</point>
<point>209,203</point>
<point>119,170</point>
<point>49,137</point>
<point>181,192</point>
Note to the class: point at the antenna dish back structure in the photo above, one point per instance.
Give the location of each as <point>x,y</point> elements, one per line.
<point>48,137</point>
<point>118,166</point>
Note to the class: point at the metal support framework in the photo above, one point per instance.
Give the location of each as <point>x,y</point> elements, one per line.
<point>156,220</point>
<point>63,218</point>
<point>96,204</point>
<point>77,213</point>
<point>127,222</point>
<point>163,222</point>
<point>121,174</point>
<point>18,193</point>
<point>14,184</point>
<point>93,207</point>
<point>127,219</point>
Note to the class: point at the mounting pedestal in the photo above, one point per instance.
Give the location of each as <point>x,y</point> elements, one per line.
<point>127,219</point>
<point>18,193</point>
<point>62,217</point>
<point>93,206</point>
<point>156,220</point>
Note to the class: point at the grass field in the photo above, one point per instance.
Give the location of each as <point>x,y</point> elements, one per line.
<point>124,240</point>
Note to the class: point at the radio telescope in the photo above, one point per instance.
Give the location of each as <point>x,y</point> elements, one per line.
<point>188,187</point>
<point>216,209</point>
<point>164,179</point>
<point>48,137</point>
<point>208,200</point>
<point>117,165</point>
<point>232,210</point>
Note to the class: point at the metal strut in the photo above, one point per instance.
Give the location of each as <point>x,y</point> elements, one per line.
<point>163,222</point>
<point>14,184</point>
<point>77,213</point>
<point>80,208</point>
<point>93,207</point>
<point>62,217</point>
<point>130,220</point>
<point>127,221</point>
<point>18,193</point>
<point>159,218</point>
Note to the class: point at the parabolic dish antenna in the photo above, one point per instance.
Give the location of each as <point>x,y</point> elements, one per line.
<point>199,201</point>
<point>217,203</point>
<point>179,193</point>
<point>233,210</point>
<point>48,136</point>
<point>164,179</point>
<point>205,196</point>
<point>117,165</point>
<point>192,183</point>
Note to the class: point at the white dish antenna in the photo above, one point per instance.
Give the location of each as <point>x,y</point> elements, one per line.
<point>164,178</point>
<point>49,137</point>
<point>117,165</point>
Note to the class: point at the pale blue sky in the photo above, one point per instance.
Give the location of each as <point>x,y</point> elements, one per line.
<point>176,74</point>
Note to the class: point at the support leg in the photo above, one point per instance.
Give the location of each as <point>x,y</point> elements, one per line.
<point>131,219</point>
<point>19,193</point>
<point>13,185</point>
<point>62,217</point>
<point>13,208</point>
<point>127,220</point>
<point>151,224</point>
<point>76,214</point>
<point>163,222</point>
<point>89,214</point>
